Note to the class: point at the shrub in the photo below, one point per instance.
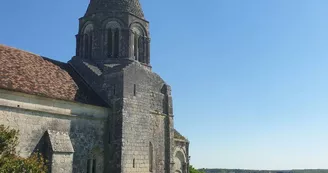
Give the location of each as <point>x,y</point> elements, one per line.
<point>10,162</point>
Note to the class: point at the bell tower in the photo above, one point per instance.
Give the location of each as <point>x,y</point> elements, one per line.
<point>113,31</point>
<point>113,58</point>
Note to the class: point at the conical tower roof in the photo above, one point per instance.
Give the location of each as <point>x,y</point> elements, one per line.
<point>129,6</point>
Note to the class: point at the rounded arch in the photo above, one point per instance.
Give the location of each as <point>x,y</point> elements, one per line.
<point>112,38</point>
<point>112,22</point>
<point>87,28</point>
<point>86,40</point>
<point>180,160</point>
<point>138,29</point>
<point>139,43</point>
<point>113,25</point>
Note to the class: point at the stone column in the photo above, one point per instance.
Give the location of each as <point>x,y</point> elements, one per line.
<point>131,45</point>
<point>77,51</point>
<point>125,47</point>
<point>147,50</point>
<point>105,41</point>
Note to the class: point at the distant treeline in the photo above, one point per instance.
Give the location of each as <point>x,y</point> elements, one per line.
<point>262,171</point>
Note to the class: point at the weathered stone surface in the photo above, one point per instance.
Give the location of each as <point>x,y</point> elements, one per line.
<point>60,142</point>
<point>85,133</point>
<point>141,101</point>
<point>134,130</point>
<point>62,163</point>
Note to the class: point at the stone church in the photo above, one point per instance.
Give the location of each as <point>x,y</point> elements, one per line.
<point>105,110</point>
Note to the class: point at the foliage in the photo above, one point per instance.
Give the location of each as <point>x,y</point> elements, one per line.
<point>8,141</point>
<point>193,170</point>
<point>10,162</point>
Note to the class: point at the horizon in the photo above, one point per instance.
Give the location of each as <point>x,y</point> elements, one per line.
<point>248,78</point>
<point>258,169</point>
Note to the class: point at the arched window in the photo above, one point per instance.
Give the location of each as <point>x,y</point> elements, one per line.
<point>87,41</point>
<point>151,157</point>
<point>113,39</point>
<point>180,161</point>
<point>116,42</point>
<point>139,44</point>
<point>135,47</point>
<point>109,42</point>
<point>141,48</point>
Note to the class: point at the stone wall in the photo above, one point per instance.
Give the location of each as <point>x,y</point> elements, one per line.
<point>34,115</point>
<point>62,162</point>
<point>144,121</point>
<point>181,156</point>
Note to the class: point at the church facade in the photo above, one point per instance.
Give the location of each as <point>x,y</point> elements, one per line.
<point>104,111</point>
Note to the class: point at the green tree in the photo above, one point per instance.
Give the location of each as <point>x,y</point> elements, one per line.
<point>10,162</point>
<point>193,170</point>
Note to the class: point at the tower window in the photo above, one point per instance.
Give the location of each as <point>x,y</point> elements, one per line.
<point>138,43</point>
<point>90,46</point>
<point>141,49</point>
<point>135,46</point>
<point>134,163</point>
<point>113,29</point>
<point>116,43</point>
<point>87,41</point>
<point>87,45</point>
<point>110,43</point>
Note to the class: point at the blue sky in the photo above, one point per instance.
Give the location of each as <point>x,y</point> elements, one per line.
<point>249,78</point>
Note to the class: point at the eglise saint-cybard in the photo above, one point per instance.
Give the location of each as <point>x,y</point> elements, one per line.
<point>104,111</point>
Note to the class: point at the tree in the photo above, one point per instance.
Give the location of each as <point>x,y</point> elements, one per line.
<point>193,170</point>
<point>10,162</point>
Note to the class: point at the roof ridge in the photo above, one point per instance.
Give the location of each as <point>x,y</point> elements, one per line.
<point>86,84</point>
<point>25,51</point>
<point>11,47</point>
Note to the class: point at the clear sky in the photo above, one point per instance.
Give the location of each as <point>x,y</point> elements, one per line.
<point>249,78</point>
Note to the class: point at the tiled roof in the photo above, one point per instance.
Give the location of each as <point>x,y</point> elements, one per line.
<point>32,74</point>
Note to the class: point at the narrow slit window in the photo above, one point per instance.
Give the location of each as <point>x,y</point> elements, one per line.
<point>90,46</point>
<point>134,89</point>
<point>116,43</point>
<point>114,90</point>
<point>86,45</point>
<point>88,166</point>
<point>94,166</point>
<point>150,157</point>
<point>136,46</point>
<point>134,163</point>
<point>110,43</point>
<point>141,49</point>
